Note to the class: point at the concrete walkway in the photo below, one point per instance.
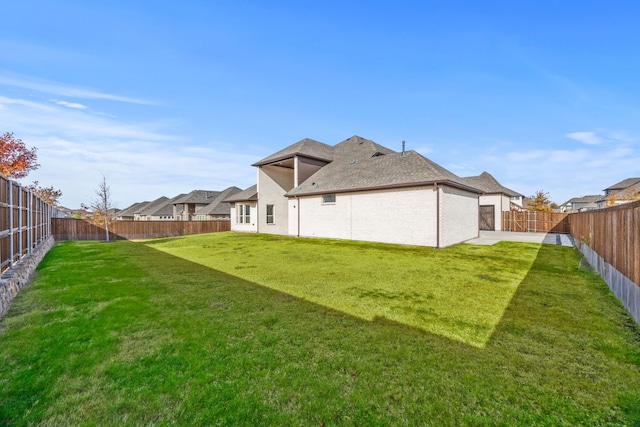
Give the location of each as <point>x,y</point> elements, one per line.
<point>492,237</point>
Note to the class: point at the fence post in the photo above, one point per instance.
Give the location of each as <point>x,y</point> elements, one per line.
<point>29,223</point>
<point>10,185</point>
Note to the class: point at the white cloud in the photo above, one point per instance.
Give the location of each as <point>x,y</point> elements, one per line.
<point>142,161</point>
<point>589,138</point>
<point>561,172</point>
<point>75,105</point>
<point>62,89</point>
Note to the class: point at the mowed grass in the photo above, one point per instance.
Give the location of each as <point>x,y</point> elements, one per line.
<point>159,333</point>
<point>460,293</point>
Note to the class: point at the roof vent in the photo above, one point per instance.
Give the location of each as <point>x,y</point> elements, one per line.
<point>377,153</point>
<point>352,162</point>
<point>403,152</point>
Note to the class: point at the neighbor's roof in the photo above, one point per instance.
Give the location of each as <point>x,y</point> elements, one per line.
<point>153,206</point>
<point>167,208</point>
<point>250,193</point>
<point>624,184</point>
<point>218,206</point>
<point>361,164</point>
<point>583,199</point>
<point>198,196</point>
<point>133,209</point>
<point>306,147</point>
<point>488,184</point>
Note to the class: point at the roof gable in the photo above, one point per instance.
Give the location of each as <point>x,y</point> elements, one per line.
<point>218,205</point>
<point>250,193</point>
<point>624,184</point>
<point>198,197</point>
<point>488,184</point>
<point>154,206</point>
<point>305,147</point>
<point>133,209</point>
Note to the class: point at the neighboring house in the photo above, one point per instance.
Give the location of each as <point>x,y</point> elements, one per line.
<point>184,208</point>
<point>243,210</point>
<point>580,204</point>
<point>218,209</point>
<point>203,205</point>
<point>129,213</point>
<point>622,192</point>
<point>162,212</point>
<point>494,200</point>
<point>145,213</point>
<point>358,190</point>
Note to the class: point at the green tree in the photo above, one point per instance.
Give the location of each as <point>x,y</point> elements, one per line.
<point>540,202</point>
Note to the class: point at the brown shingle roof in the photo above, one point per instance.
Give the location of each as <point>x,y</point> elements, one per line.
<point>198,196</point>
<point>361,164</point>
<point>218,205</point>
<point>488,184</point>
<point>250,193</point>
<point>624,184</point>
<point>306,147</point>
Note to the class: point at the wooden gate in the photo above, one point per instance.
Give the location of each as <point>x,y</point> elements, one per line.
<point>487,217</point>
<point>537,222</point>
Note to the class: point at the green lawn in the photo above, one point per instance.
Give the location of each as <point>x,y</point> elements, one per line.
<point>228,329</point>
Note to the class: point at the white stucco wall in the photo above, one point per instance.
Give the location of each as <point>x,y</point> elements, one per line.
<point>501,204</point>
<point>273,183</point>
<point>404,216</point>
<point>458,216</point>
<point>252,226</point>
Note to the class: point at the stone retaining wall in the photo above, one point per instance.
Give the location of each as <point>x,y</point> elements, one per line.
<point>623,288</point>
<point>18,276</point>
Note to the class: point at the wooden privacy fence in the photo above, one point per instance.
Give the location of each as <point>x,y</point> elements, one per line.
<point>25,222</point>
<point>614,234</point>
<point>78,229</point>
<point>545,222</point>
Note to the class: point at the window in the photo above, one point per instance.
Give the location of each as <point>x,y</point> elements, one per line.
<point>328,198</point>
<point>243,214</point>
<point>270,214</point>
<point>239,214</point>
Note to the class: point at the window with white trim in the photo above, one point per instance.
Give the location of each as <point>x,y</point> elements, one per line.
<point>271,214</point>
<point>243,214</point>
<point>328,199</point>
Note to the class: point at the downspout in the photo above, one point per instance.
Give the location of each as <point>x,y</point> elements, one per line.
<point>437,215</point>
<point>478,217</point>
<point>298,203</point>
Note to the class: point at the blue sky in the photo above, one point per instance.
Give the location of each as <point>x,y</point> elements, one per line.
<point>166,97</point>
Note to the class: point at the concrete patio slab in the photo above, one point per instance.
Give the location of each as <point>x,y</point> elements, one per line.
<point>493,237</point>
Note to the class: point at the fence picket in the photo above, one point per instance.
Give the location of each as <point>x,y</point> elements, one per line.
<point>77,229</point>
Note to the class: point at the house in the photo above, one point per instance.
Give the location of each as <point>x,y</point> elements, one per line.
<point>494,200</point>
<point>160,209</point>
<point>357,190</point>
<point>203,205</point>
<point>128,214</point>
<point>184,208</point>
<point>218,209</point>
<point>144,213</point>
<point>580,204</point>
<point>624,191</point>
<point>243,210</point>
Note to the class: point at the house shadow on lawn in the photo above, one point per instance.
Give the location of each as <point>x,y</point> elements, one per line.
<point>547,274</point>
